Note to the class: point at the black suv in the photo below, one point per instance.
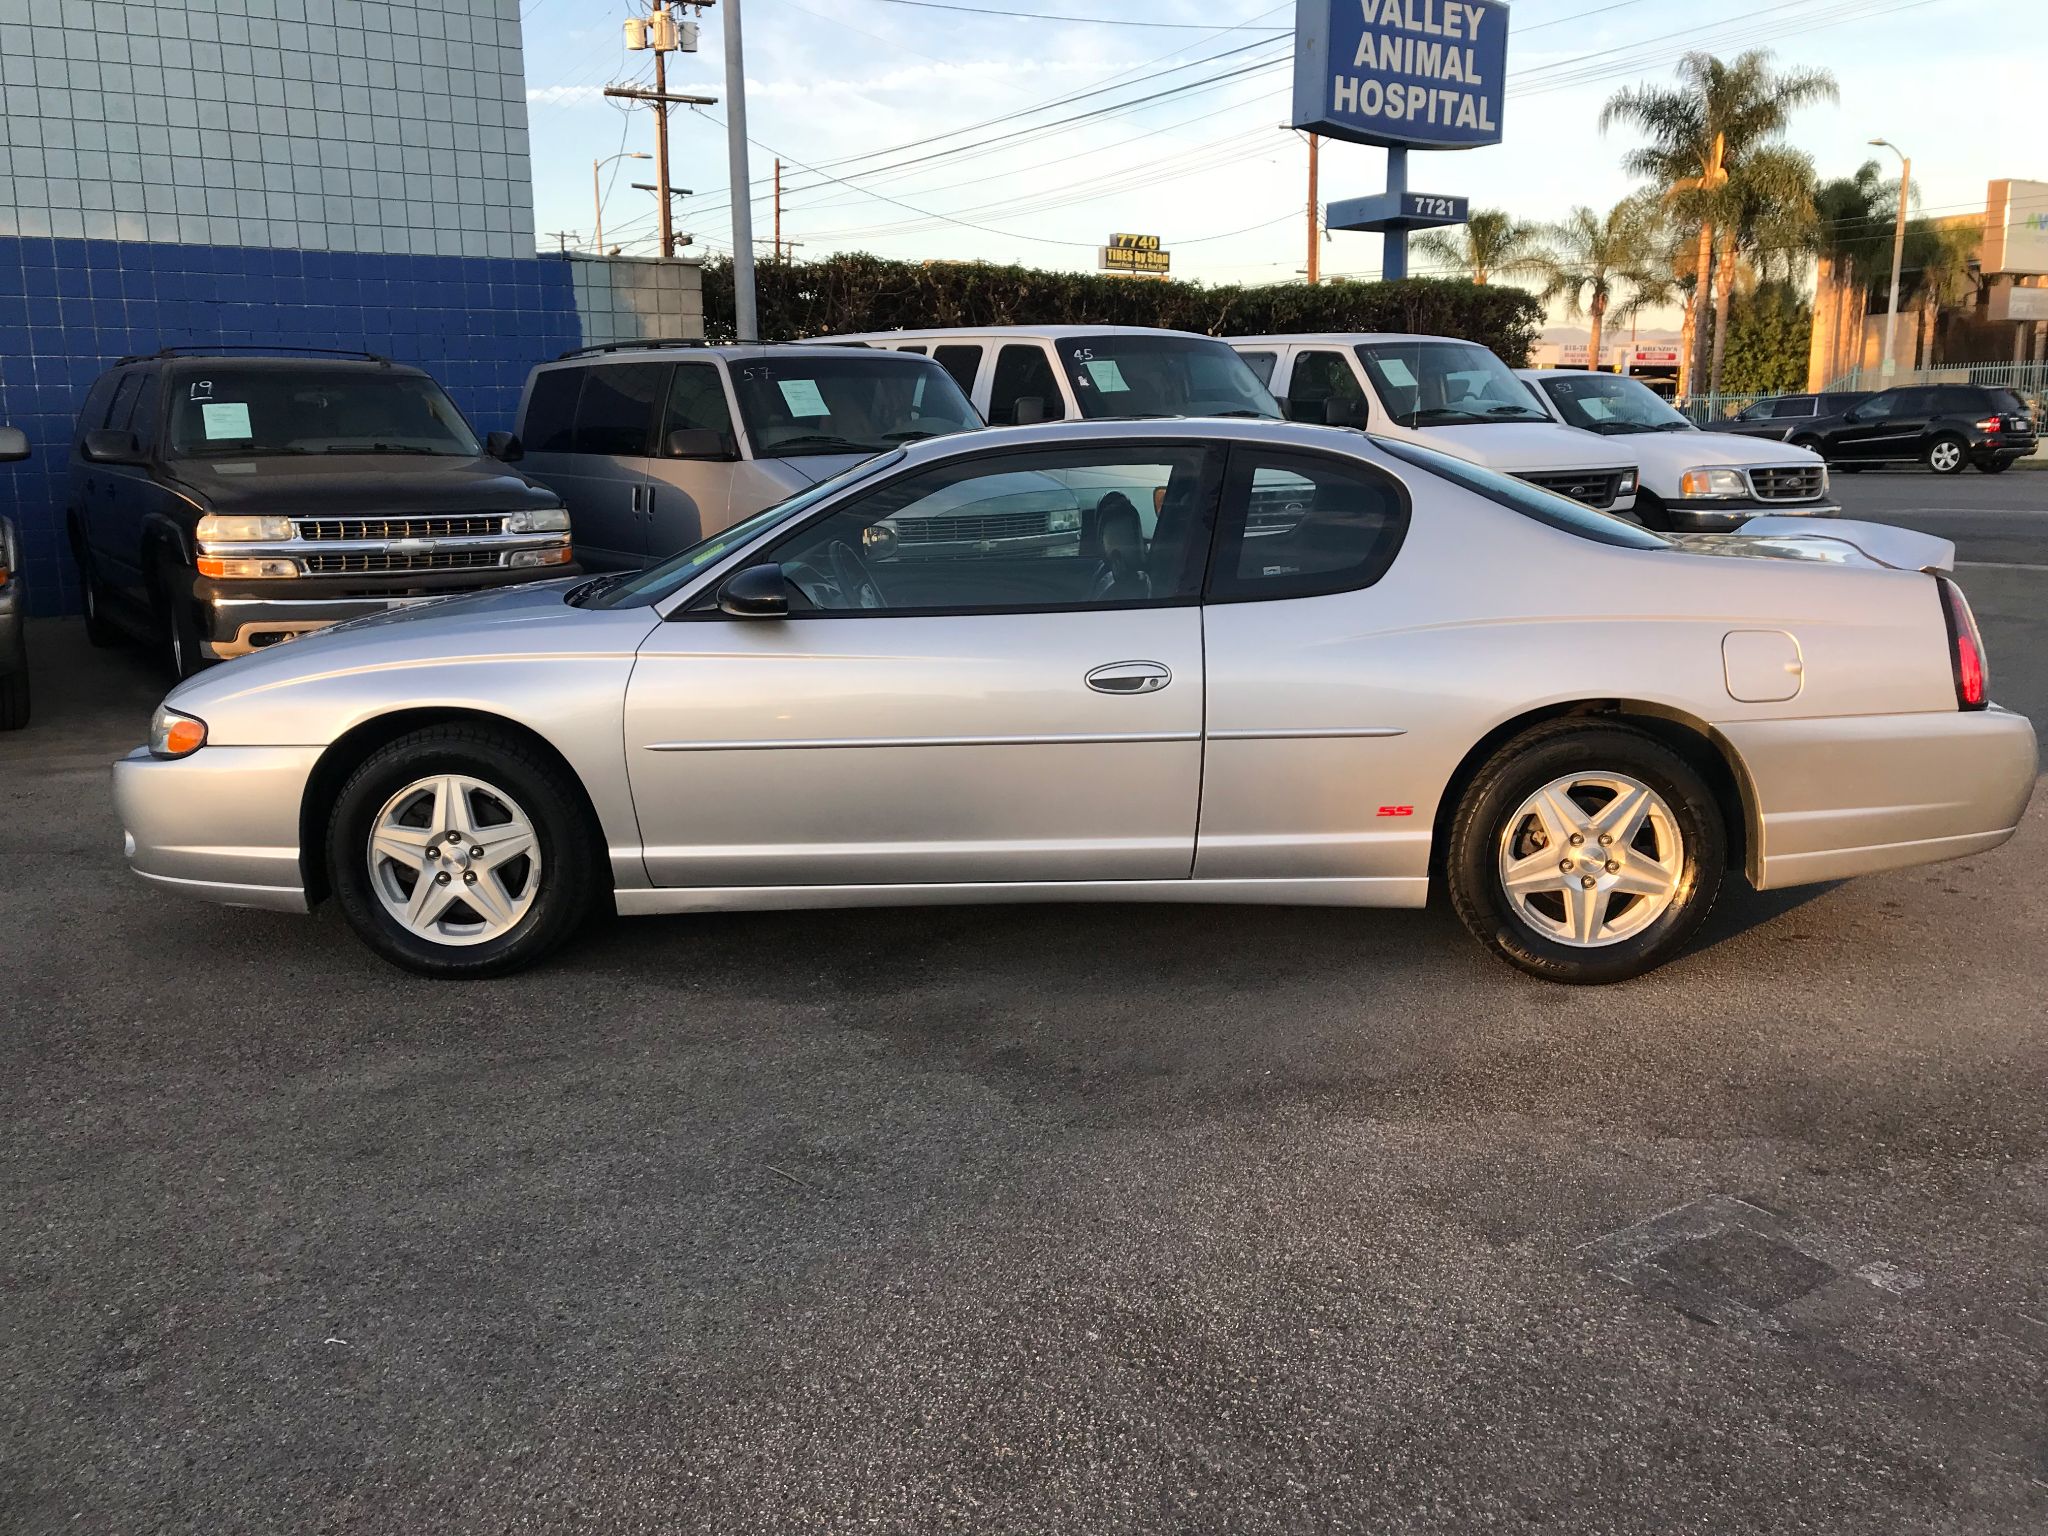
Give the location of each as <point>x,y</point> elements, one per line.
<point>1944,426</point>
<point>1782,416</point>
<point>221,503</point>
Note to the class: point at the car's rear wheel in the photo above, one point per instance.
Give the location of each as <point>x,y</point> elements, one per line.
<point>1585,853</point>
<point>459,851</point>
<point>14,701</point>
<point>1994,466</point>
<point>1946,456</point>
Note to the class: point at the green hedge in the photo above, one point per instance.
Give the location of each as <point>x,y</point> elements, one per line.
<point>866,293</point>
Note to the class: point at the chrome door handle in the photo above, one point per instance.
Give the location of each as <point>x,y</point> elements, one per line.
<point>1129,677</point>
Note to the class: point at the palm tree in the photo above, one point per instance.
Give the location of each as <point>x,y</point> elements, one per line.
<point>1940,255</point>
<point>1604,267</point>
<point>1765,205</point>
<point>1700,133</point>
<point>1853,218</point>
<point>1493,243</point>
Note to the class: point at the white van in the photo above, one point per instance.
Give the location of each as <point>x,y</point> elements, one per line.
<point>1442,393</point>
<point>655,445</point>
<point>1691,480</point>
<point>1017,375</point>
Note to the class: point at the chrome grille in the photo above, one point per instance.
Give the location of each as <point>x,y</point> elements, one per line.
<point>1787,482</point>
<point>949,530</point>
<point>353,564</point>
<point>478,525</point>
<point>1594,487</point>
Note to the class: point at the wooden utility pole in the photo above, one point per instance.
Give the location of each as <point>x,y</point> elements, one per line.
<point>778,210</point>
<point>1315,263</point>
<point>668,228</point>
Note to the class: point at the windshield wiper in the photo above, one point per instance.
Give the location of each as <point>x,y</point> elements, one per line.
<point>1254,415</point>
<point>1439,413</point>
<point>377,448</point>
<point>827,439</point>
<point>909,435</point>
<point>1516,412</point>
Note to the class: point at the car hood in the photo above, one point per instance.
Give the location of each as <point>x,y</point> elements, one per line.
<point>356,484</point>
<point>500,623</point>
<point>1517,447</point>
<point>1680,451</point>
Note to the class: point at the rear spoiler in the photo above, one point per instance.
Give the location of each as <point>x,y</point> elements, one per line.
<point>1902,549</point>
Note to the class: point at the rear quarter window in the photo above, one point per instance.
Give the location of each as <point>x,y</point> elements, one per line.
<point>549,425</point>
<point>1546,507</point>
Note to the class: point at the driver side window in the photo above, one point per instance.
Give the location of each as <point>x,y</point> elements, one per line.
<point>1105,527</point>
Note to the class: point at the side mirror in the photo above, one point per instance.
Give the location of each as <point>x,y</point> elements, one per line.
<point>1029,411</point>
<point>111,445</point>
<point>1344,413</point>
<point>506,446</point>
<point>699,443</point>
<point>758,592</point>
<point>13,445</point>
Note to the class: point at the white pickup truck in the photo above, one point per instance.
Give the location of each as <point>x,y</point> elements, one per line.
<point>1439,392</point>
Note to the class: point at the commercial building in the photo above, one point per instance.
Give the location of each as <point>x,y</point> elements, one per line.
<point>316,173</point>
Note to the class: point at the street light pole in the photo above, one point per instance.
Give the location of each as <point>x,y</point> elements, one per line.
<point>597,197</point>
<point>1891,318</point>
<point>746,326</point>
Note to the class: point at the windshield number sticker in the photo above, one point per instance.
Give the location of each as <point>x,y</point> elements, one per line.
<point>202,389</point>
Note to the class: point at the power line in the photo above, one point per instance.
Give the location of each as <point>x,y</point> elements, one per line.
<point>1093,21</point>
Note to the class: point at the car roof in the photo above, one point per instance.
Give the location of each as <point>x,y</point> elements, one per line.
<point>630,351</point>
<point>1347,338</point>
<point>269,363</point>
<point>1015,332</point>
<point>1270,431</point>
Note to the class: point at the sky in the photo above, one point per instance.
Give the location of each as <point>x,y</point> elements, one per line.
<point>847,93</point>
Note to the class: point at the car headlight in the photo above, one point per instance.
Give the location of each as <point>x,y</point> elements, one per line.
<point>174,735</point>
<point>559,554</point>
<point>1064,520</point>
<point>246,567</point>
<point>214,529</point>
<point>545,520</point>
<point>1713,482</point>
<point>1626,486</point>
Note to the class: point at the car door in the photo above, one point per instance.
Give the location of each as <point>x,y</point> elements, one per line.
<point>1026,387</point>
<point>1304,774</point>
<point>689,494</point>
<point>116,496</point>
<point>592,430</point>
<point>1885,426</point>
<point>985,715</point>
<point>1321,381</point>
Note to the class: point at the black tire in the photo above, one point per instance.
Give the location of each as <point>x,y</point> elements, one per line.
<point>177,614</point>
<point>1994,466</point>
<point>13,701</point>
<point>1810,444</point>
<point>571,850</point>
<point>100,631</point>
<point>1536,758</point>
<point>1946,455</point>
<point>1651,512</point>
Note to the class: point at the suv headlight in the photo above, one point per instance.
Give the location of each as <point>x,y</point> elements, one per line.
<point>214,529</point>
<point>546,520</point>
<point>1713,482</point>
<point>1626,486</point>
<point>174,735</point>
<point>1064,519</point>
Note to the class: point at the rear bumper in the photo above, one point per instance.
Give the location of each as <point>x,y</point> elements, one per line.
<point>222,824</point>
<point>1839,797</point>
<point>238,617</point>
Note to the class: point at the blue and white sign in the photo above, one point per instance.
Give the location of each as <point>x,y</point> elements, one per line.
<point>1397,210</point>
<point>1430,74</point>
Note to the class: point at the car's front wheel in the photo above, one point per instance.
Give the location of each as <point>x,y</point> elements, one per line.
<point>460,851</point>
<point>1585,853</point>
<point>1946,456</point>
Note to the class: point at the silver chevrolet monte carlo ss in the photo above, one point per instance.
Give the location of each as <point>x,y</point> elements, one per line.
<point>1220,661</point>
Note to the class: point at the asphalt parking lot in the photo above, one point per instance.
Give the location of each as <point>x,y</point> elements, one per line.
<point>1050,1219</point>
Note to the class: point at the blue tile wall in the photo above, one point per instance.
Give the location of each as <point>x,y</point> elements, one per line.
<point>69,308</point>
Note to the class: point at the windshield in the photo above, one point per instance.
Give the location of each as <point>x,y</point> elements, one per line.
<point>1445,383</point>
<point>1137,375</point>
<point>1606,402</point>
<point>244,412</point>
<point>1547,507</point>
<point>857,402</point>
<point>637,588</point>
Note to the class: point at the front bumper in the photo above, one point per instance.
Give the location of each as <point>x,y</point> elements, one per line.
<point>237,617</point>
<point>1850,795</point>
<point>1726,516</point>
<point>222,824</point>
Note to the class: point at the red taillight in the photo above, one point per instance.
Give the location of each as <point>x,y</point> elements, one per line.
<point>1990,424</point>
<point>1965,648</point>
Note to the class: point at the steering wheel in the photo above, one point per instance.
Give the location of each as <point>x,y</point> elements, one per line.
<point>1120,577</point>
<point>856,584</point>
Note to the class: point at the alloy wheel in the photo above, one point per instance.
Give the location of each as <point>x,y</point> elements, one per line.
<point>454,860</point>
<point>1591,859</point>
<point>1945,458</point>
